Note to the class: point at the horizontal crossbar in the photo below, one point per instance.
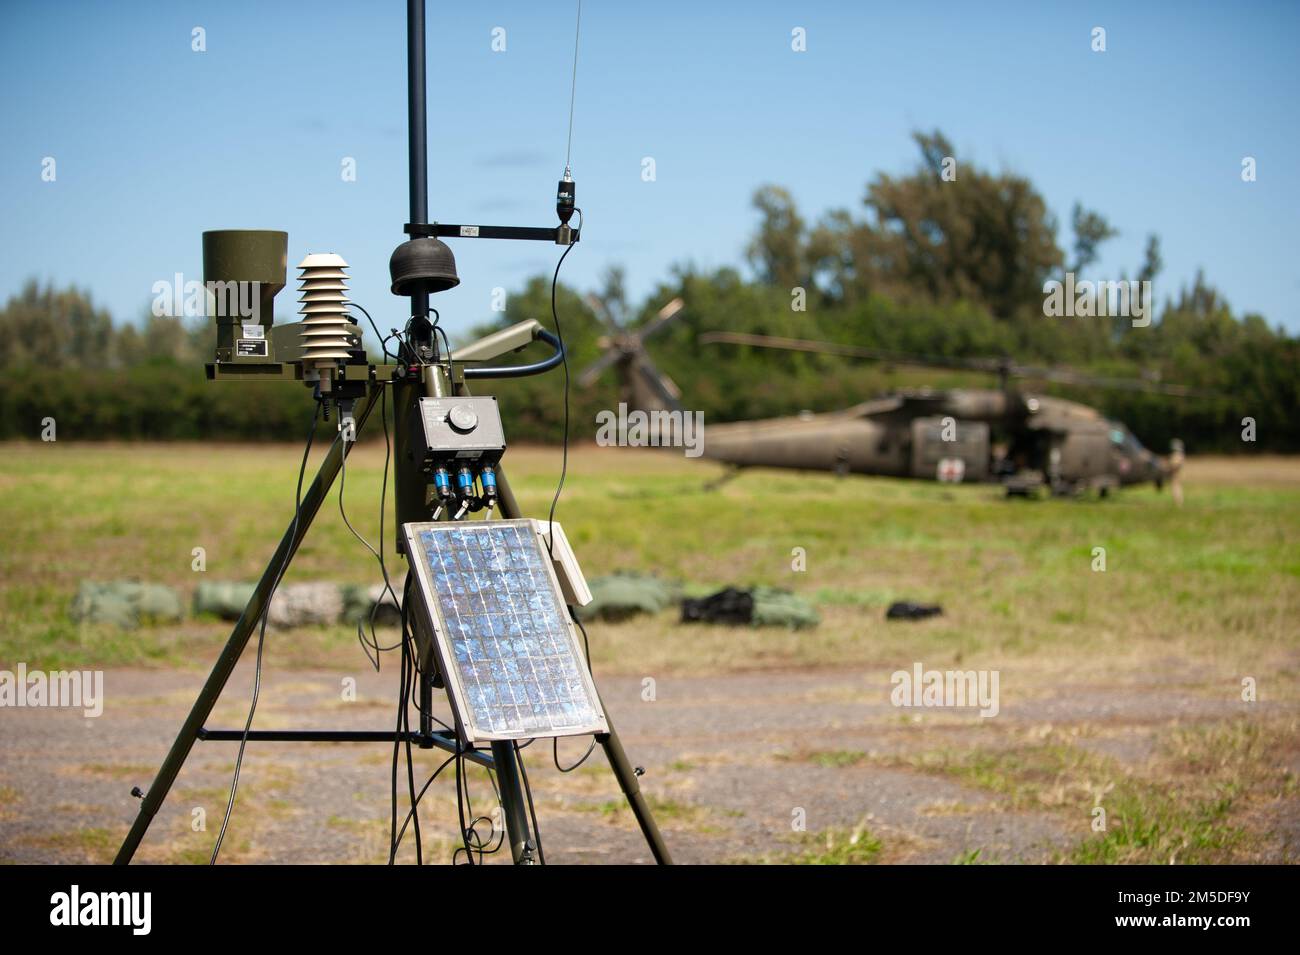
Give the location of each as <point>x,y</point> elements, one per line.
<point>443,741</point>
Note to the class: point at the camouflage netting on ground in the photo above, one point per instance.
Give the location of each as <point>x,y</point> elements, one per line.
<point>781,608</point>
<point>757,607</point>
<point>305,605</point>
<point>300,604</point>
<point>294,605</point>
<point>359,599</point>
<point>130,604</point>
<point>125,603</point>
<point>222,599</point>
<point>626,594</point>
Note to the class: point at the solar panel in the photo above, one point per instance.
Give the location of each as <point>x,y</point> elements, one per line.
<point>503,638</point>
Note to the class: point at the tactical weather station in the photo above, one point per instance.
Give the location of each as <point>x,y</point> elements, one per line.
<point>487,605</point>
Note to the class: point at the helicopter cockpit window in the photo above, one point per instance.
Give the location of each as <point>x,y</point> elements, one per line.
<point>1123,438</point>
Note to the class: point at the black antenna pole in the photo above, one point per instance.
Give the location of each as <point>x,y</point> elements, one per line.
<point>417,123</point>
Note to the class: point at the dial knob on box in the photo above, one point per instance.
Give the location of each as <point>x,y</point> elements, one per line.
<point>463,418</point>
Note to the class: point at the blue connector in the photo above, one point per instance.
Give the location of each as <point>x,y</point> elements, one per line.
<point>442,484</point>
<point>488,478</point>
<point>465,483</point>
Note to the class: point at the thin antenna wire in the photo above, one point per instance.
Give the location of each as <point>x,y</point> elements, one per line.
<point>573,89</point>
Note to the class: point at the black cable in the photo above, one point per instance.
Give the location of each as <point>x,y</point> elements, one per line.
<point>392,824</point>
<point>555,755</point>
<point>473,838</point>
<point>377,554</point>
<point>586,641</point>
<point>408,637</point>
<point>555,740</point>
<point>492,826</point>
<point>397,731</point>
<point>400,338</point>
<point>403,688</point>
<point>412,677</point>
<point>490,847</point>
<point>383,342</point>
<point>445,341</point>
<point>423,790</point>
<point>470,831</point>
<point>564,459</point>
<point>383,509</point>
<point>261,637</point>
<point>460,812</point>
<point>528,791</point>
<point>406,352</point>
<point>434,327</point>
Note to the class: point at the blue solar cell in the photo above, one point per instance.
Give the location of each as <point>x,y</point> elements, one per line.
<point>505,632</point>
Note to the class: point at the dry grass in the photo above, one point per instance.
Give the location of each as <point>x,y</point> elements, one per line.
<point>1219,577</point>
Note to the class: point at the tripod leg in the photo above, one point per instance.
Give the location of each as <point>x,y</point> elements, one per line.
<point>248,621</point>
<point>504,759</point>
<point>626,776</point>
<point>623,770</point>
<point>613,748</point>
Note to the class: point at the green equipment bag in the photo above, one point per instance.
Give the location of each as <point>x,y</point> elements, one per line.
<point>125,603</point>
<point>624,594</point>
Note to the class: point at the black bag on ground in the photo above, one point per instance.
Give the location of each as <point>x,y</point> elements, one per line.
<point>906,610</point>
<point>726,606</point>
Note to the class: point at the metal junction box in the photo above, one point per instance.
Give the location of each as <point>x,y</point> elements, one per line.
<point>454,431</point>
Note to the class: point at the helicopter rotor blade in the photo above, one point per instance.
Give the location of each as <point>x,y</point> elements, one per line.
<point>994,366</point>
<point>664,317</point>
<point>588,376</point>
<point>1066,376</point>
<point>660,383</point>
<point>848,351</point>
<point>602,313</point>
<point>670,386</point>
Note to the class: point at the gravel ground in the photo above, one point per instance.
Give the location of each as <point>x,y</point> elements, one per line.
<point>731,762</point>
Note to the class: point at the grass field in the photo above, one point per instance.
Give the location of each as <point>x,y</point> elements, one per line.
<point>1191,602</point>
<point>1219,577</point>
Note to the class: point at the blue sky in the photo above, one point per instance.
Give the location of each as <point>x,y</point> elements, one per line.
<point>155,143</point>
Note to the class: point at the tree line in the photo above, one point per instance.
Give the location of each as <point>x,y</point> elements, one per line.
<point>945,259</point>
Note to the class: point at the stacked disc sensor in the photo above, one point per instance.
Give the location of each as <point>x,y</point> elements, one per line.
<point>327,331</point>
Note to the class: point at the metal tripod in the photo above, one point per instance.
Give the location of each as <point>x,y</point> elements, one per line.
<point>502,757</point>
<point>420,376</point>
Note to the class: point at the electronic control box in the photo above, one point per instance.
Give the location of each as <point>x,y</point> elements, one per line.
<point>455,431</point>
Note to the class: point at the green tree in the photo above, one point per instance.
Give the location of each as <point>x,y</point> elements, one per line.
<point>982,237</point>
<point>778,251</point>
<point>1090,230</point>
<point>55,330</point>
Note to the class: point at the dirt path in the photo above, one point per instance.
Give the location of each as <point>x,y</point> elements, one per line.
<point>733,762</point>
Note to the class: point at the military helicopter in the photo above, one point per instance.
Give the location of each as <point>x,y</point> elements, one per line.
<point>1030,443</point>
